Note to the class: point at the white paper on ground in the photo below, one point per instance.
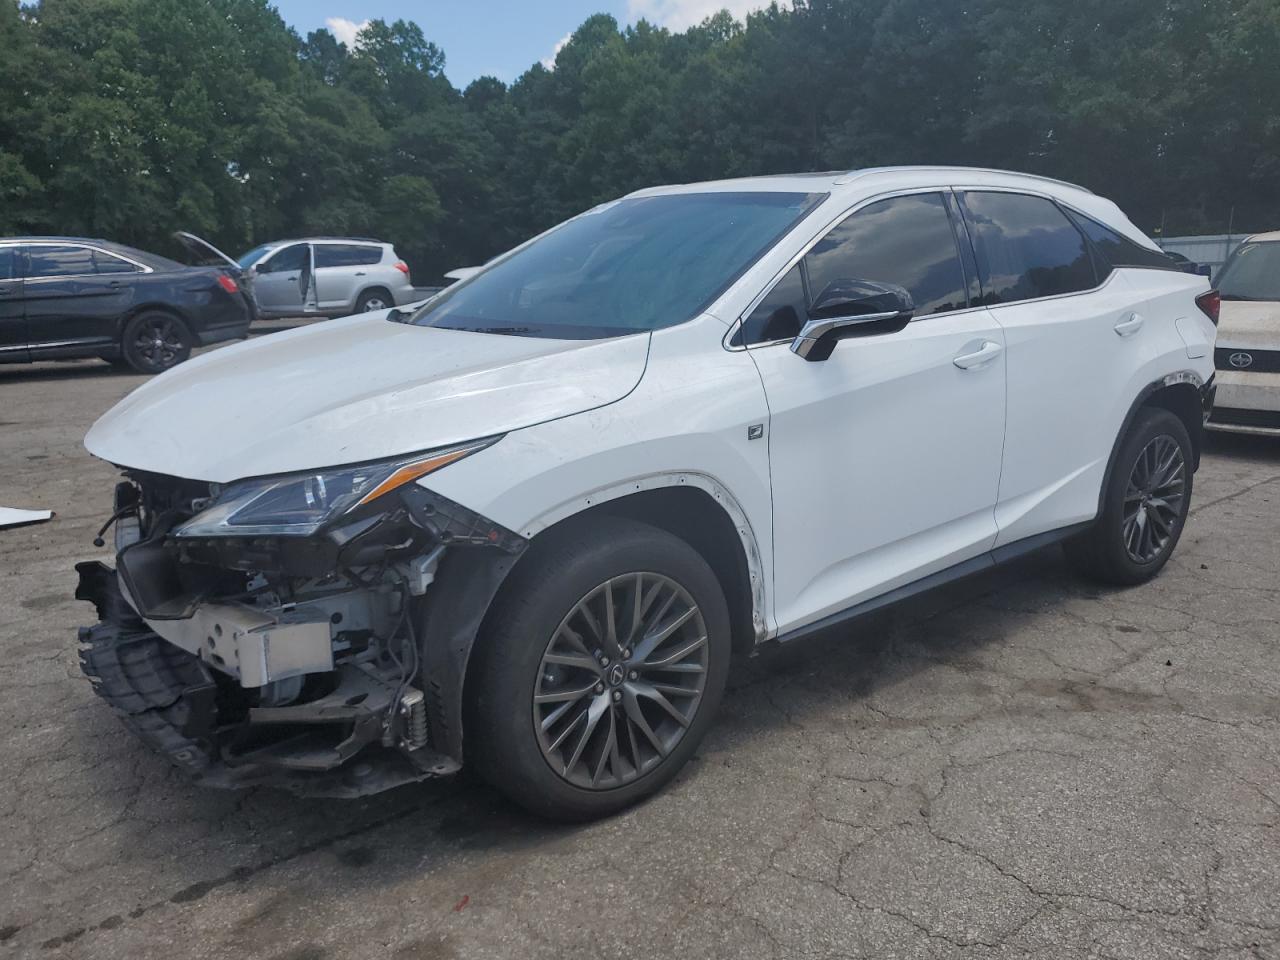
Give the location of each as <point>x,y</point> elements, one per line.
<point>10,517</point>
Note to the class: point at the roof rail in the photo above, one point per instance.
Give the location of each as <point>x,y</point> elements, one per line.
<point>870,171</point>
<point>327,238</point>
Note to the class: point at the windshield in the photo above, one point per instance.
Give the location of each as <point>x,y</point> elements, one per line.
<point>247,260</point>
<point>624,267</point>
<point>1252,273</point>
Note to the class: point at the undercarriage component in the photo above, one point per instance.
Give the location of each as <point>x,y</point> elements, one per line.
<point>251,644</point>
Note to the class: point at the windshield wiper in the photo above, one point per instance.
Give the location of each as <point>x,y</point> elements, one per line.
<point>511,331</point>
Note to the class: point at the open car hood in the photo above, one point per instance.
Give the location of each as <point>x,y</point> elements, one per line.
<point>352,390</point>
<point>204,252</point>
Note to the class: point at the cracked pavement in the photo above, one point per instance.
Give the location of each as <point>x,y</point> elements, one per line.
<point>1021,765</point>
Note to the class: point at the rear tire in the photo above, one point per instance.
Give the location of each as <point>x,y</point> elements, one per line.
<point>155,341</point>
<point>611,741</point>
<point>1144,507</point>
<point>375,299</point>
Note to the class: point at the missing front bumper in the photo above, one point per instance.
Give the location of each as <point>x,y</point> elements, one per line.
<point>332,745</point>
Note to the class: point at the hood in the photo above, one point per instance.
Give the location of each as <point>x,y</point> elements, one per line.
<point>1249,324</point>
<point>351,390</point>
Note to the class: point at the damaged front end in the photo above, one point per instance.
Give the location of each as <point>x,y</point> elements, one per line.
<point>309,631</point>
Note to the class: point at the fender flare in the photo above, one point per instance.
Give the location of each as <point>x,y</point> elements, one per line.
<point>701,481</point>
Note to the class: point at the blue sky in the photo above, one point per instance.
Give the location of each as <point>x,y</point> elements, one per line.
<point>502,38</point>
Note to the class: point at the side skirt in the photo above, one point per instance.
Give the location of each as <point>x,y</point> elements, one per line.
<point>966,568</point>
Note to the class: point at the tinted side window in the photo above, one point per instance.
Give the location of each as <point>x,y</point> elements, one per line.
<point>1119,251</point>
<point>1026,248</point>
<point>290,258</point>
<point>781,314</point>
<point>106,263</point>
<point>904,240</point>
<point>346,255</point>
<point>58,261</point>
<point>8,263</point>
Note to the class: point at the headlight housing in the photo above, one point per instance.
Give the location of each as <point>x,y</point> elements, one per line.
<point>299,504</point>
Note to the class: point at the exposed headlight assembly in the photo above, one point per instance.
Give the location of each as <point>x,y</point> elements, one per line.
<point>299,504</point>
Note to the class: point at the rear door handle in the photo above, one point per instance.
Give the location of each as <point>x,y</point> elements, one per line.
<point>1129,325</point>
<point>359,273</point>
<point>980,357</point>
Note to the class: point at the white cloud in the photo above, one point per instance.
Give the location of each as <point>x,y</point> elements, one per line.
<point>682,14</point>
<point>550,62</point>
<point>345,30</point>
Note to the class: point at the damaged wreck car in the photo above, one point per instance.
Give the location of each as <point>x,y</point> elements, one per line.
<point>527,524</point>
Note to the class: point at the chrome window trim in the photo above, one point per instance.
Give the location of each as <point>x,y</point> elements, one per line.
<point>955,189</point>
<point>141,267</point>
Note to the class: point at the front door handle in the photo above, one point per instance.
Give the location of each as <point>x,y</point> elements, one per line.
<point>980,357</point>
<point>359,273</point>
<point>1129,325</point>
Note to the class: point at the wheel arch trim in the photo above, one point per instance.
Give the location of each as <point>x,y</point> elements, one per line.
<point>667,480</point>
<point>1187,377</point>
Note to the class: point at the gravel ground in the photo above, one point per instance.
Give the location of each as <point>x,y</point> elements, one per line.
<point>1021,765</point>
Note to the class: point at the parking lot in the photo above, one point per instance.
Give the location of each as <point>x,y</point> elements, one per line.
<point>1021,765</point>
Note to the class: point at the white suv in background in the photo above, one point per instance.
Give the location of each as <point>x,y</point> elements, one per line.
<point>533,520</point>
<point>1248,354</point>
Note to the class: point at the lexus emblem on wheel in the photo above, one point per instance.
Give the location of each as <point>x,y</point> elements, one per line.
<point>1240,360</point>
<point>617,675</point>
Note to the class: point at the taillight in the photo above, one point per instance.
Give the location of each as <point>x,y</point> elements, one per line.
<point>403,268</point>
<point>1211,304</point>
<point>227,284</point>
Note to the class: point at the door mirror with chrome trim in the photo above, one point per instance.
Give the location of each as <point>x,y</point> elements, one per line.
<point>852,308</point>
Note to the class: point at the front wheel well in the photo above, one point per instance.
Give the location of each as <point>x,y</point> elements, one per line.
<point>694,516</point>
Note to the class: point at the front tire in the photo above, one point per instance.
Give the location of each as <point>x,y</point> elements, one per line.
<point>1144,507</point>
<point>599,670</point>
<point>155,341</point>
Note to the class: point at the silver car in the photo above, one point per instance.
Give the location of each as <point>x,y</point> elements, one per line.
<point>319,276</point>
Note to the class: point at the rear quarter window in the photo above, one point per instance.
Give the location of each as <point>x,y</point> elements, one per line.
<point>1119,251</point>
<point>108,263</point>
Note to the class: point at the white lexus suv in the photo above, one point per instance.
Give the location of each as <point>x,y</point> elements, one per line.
<point>531,521</point>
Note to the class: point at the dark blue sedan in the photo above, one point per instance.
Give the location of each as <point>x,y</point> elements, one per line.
<point>69,297</point>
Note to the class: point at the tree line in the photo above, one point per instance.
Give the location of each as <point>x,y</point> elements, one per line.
<point>129,119</point>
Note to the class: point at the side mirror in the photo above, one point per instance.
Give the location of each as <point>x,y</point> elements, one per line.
<point>852,308</point>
